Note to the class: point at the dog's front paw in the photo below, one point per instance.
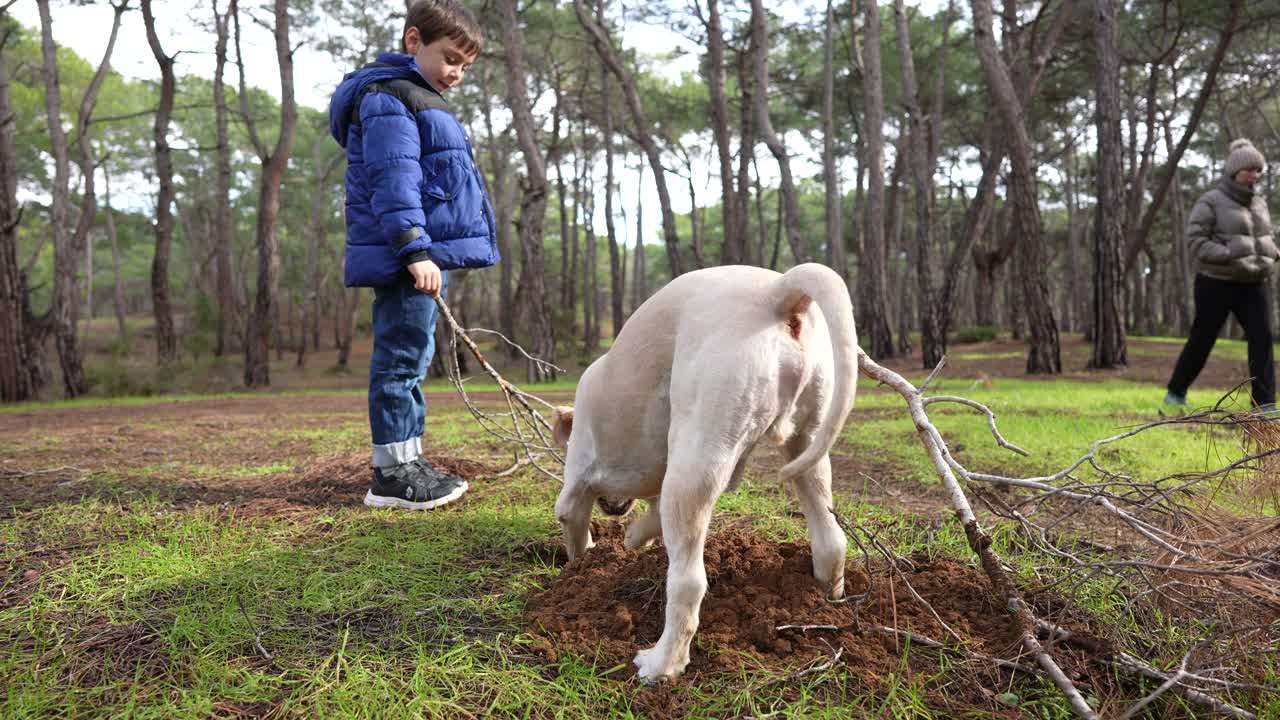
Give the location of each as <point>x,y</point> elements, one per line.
<point>653,666</point>
<point>837,591</point>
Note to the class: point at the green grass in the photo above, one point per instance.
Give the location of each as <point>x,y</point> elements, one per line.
<point>186,590</point>
<point>1054,421</point>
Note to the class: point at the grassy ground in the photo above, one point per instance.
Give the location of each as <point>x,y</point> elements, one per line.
<point>175,558</point>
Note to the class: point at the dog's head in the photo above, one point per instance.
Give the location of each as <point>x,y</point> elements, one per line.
<point>562,426</point>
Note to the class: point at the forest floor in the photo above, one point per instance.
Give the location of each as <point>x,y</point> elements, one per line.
<point>209,556</point>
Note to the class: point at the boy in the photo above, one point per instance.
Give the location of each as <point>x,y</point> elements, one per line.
<point>416,207</point>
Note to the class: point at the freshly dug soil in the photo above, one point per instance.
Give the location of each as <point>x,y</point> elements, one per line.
<point>610,603</point>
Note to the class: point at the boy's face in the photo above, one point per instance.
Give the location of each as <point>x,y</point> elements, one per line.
<point>441,62</point>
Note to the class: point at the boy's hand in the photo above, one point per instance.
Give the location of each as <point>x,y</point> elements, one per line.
<point>426,276</point>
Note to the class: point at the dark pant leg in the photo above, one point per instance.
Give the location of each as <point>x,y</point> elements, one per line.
<point>404,321</point>
<point>1252,307</point>
<point>1213,302</point>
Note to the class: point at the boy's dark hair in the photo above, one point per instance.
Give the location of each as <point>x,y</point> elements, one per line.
<point>436,19</point>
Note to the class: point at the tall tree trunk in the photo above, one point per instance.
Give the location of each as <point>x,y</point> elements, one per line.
<point>533,205</point>
<point>644,131</point>
<point>695,232</point>
<point>733,249</point>
<point>1138,240</point>
<point>933,345</point>
<point>556,154</point>
<point>1182,264</point>
<point>575,262</point>
<point>81,242</point>
<point>760,55</point>
<point>117,289</point>
<point>228,310</point>
<point>311,285</point>
<point>1071,319</point>
<point>22,357</point>
<point>591,299</point>
<point>502,190</point>
<point>1044,354</point>
<point>257,365</point>
<point>897,252</point>
<point>617,274</point>
<point>65,301</point>
<point>872,278</point>
<point>751,254</point>
<point>639,272</point>
<point>166,337</point>
<point>1108,321</point>
<point>830,177</point>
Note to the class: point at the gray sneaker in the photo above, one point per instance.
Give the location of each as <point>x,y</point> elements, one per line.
<point>414,485</point>
<point>1171,398</point>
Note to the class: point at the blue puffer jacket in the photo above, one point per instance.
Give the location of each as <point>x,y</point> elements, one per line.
<point>414,191</point>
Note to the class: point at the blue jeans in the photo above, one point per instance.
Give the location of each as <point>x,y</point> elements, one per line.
<point>404,326</point>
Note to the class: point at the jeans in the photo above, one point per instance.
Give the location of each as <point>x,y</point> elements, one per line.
<point>1251,304</point>
<point>404,325</point>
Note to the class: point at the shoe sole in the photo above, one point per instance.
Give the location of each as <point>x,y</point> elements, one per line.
<point>379,501</point>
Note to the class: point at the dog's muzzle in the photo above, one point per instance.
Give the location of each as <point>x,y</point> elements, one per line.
<point>610,506</point>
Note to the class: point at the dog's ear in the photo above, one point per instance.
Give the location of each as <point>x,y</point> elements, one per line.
<point>561,426</point>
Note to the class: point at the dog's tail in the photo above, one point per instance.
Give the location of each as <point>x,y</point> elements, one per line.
<point>796,288</point>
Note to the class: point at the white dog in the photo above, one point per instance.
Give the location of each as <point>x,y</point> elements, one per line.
<point>707,367</point>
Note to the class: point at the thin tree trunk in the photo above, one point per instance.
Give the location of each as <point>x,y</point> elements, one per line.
<point>695,232</point>
<point>760,55</point>
<point>617,273</point>
<point>323,170</point>
<point>22,357</point>
<point>502,190</point>
<point>228,310</point>
<point>533,205</point>
<point>643,128</point>
<point>640,274</point>
<point>117,290</point>
<point>590,283</point>
<point>762,228</point>
<point>830,177</point>
<point>1178,223</point>
<point>82,241</point>
<point>555,154</point>
<point>752,254</point>
<point>872,278</point>
<point>1044,355</point>
<point>66,296</point>
<point>733,250</point>
<point>166,337</point>
<point>1108,321</point>
<point>933,345</point>
<point>257,366</point>
<point>1071,319</point>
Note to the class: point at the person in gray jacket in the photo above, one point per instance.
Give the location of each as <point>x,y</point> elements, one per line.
<point>1229,235</point>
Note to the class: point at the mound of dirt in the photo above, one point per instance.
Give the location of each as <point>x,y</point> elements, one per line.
<point>611,602</point>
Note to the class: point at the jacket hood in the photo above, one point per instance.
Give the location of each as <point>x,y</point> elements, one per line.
<point>389,66</point>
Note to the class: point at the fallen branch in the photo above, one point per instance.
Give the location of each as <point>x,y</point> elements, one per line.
<point>979,541</point>
<point>530,431</point>
<point>1129,663</point>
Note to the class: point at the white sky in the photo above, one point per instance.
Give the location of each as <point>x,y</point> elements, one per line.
<point>184,26</point>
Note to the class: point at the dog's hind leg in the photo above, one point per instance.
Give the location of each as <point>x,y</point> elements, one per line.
<point>689,493</point>
<point>813,490</point>
<point>646,527</point>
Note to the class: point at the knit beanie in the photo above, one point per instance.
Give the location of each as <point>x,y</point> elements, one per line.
<point>1241,156</point>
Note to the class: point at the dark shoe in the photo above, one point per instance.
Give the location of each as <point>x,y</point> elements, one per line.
<point>414,485</point>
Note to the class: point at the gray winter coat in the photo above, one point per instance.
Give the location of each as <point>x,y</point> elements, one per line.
<point>1230,234</point>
